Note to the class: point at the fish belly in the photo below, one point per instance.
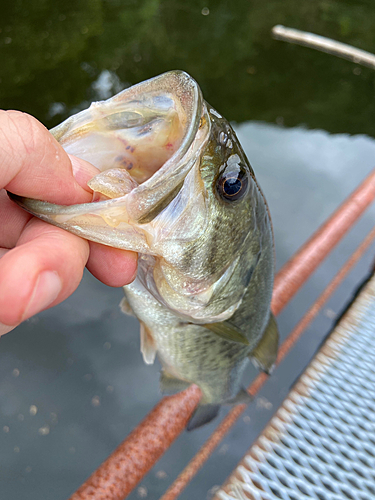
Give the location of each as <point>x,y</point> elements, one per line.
<point>188,351</point>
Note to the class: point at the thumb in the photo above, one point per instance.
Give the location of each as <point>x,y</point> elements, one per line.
<point>35,165</point>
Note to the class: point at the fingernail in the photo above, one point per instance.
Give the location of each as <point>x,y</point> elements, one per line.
<point>82,171</point>
<point>5,329</point>
<point>47,288</point>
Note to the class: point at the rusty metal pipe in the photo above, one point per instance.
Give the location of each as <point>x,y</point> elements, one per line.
<point>125,467</point>
<point>299,268</point>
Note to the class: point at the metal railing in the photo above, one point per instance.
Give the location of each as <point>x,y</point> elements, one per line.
<point>134,457</point>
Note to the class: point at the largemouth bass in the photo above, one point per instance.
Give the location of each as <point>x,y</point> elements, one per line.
<point>176,186</point>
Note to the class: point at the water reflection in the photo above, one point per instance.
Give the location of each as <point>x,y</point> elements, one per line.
<point>52,52</point>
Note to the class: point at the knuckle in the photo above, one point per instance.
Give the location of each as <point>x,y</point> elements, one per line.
<point>29,133</point>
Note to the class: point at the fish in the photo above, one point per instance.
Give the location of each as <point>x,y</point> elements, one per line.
<point>176,186</point>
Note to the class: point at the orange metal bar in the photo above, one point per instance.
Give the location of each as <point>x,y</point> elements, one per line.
<point>126,466</point>
<point>297,270</point>
<point>216,437</point>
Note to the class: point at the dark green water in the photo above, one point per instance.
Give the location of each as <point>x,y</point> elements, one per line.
<point>53,51</point>
<point>72,380</point>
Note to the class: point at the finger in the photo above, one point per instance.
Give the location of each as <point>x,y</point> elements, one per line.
<point>33,164</point>
<point>112,266</point>
<point>43,269</point>
<point>83,171</point>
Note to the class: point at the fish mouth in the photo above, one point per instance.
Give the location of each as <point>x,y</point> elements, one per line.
<point>144,141</point>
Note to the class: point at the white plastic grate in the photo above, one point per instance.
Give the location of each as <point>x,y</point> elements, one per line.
<point>321,443</point>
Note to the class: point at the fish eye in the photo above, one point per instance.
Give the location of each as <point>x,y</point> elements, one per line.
<point>232,186</point>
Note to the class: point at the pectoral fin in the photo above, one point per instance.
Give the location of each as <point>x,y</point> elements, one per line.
<point>170,384</point>
<point>227,331</point>
<point>125,307</point>
<point>202,415</point>
<point>148,347</point>
<point>265,354</point>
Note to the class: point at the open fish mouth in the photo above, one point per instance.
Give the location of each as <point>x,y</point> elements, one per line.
<point>144,141</point>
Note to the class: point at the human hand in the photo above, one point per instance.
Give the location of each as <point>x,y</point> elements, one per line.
<point>40,264</point>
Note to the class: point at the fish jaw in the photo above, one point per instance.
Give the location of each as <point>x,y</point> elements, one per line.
<point>105,222</point>
<point>161,122</point>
